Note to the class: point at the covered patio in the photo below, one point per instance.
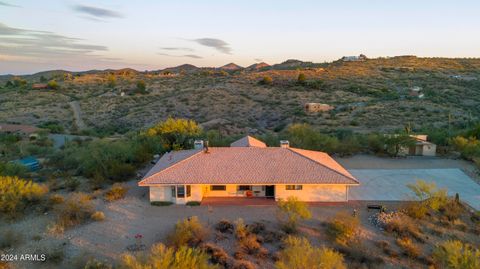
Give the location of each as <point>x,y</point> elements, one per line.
<point>240,201</point>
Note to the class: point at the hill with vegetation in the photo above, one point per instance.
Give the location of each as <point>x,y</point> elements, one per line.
<point>381,95</point>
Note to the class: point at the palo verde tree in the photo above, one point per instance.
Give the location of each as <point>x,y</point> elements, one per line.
<point>175,134</point>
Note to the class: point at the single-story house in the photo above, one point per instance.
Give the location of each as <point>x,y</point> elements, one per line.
<point>422,147</point>
<point>248,168</point>
<point>19,129</point>
<point>39,86</point>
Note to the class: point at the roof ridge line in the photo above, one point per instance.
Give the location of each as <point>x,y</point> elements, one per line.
<point>168,167</point>
<point>349,177</point>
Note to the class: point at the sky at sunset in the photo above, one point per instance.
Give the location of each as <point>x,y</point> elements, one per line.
<point>147,35</point>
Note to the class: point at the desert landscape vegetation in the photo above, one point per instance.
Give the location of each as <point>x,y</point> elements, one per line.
<point>83,208</point>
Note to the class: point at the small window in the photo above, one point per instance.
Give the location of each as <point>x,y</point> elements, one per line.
<point>174,192</point>
<point>181,191</point>
<point>244,188</point>
<point>189,191</point>
<point>293,187</point>
<point>218,187</point>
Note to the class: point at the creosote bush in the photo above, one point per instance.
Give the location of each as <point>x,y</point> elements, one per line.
<point>298,253</point>
<point>188,232</point>
<point>290,211</point>
<point>224,226</point>
<point>343,228</point>
<point>116,192</point>
<point>77,209</point>
<point>161,256</point>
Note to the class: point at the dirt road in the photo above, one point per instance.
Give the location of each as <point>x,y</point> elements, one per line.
<point>77,114</point>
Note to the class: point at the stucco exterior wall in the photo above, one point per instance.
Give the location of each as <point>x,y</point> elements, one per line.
<point>164,193</point>
<point>314,193</point>
<point>429,150</point>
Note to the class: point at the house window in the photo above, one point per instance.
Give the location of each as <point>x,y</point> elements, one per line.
<point>180,191</point>
<point>174,192</point>
<point>244,188</point>
<point>218,187</point>
<point>293,187</point>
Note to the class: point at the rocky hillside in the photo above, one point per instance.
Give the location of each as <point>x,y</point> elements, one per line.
<point>373,95</point>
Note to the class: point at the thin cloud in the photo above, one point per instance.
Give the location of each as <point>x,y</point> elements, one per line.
<point>7,4</point>
<point>41,45</point>
<point>215,43</point>
<point>193,56</point>
<point>177,48</point>
<point>97,12</point>
<point>258,60</point>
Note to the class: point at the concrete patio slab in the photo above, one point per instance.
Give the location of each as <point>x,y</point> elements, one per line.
<point>390,184</point>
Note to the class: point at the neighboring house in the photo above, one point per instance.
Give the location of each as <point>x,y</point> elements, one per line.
<point>358,58</point>
<point>23,130</point>
<point>421,148</point>
<point>39,86</point>
<point>248,168</point>
<point>317,107</point>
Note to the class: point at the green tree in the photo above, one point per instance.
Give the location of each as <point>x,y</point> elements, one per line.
<point>141,87</point>
<point>300,254</point>
<point>52,84</point>
<point>163,257</point>
<point>301,78</point>
<point>395,143</point>
<point>175,133</point>
<point>112,81</point>
<point>266,80</point>
<point>429,196</point>
<point>290,211</point>
<point>453,254</point>
<point>43,79</point>
<point>304,136</point>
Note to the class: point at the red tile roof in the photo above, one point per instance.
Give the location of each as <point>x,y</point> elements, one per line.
<point>18,128</point>
<point>248,141</point>
<point>247,165</point>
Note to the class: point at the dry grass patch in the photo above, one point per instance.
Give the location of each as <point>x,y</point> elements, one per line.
<point>77,209</point>
<point>409,248</point>
<point>98,216</point>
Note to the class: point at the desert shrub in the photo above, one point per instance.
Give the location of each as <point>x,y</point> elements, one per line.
<point>188,232</point>
<point>77,209</point>
<point>301,78</point>
<point>306,137</point>
<point>456,255</point>
<point>386,248</point>
<point>98,216</point>
<point>358,253</point>
<point>299,254</point>
<point>290,211</point>
<point>161,203</point>
<point>161,256</point>
<point>429,197</point>
<point>218,254</point>
<point>10,238</point>
<point>404,226</point>
<point>256,227</point>
<point>343,228</point>
<point>241,230</point>
<point>52,84</point>
<point>266,80</point>
<point>56,199</point>
<point>116,192</point>
<point>193,203</point>
<point>13,169</point>
<point>409,248</point>
<point>394,143</point>
<point>249,244</point>
<point>243,264</point>
<point>224,226</point>
<point>96,264</point>
<point>16,194</point>
<point>452,209</point>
